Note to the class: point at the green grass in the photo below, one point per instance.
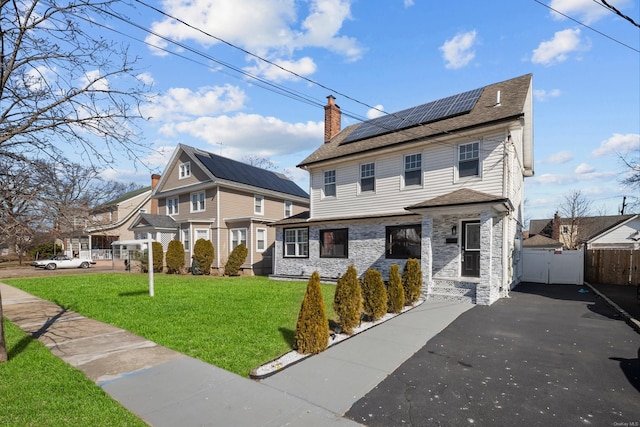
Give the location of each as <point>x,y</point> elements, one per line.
<point>38,389</point>
<point>235,323</point>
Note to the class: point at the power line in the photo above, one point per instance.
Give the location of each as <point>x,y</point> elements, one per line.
<point>586,26</point>
<point>617,12</point>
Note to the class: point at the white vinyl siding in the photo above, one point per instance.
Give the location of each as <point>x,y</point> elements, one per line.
<point>438,177</point>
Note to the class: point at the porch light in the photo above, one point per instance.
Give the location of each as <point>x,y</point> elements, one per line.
<point>454,230</point>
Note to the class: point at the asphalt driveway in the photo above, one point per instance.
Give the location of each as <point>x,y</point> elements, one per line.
<point>550,355</point>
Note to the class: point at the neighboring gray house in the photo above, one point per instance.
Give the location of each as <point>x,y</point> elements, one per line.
<point>443,182</point>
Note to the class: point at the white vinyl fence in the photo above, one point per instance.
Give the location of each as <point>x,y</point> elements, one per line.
<point>549,266</point>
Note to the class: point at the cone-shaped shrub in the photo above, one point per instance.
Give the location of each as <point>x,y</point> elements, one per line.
<point>175,257</point>
<point>395,290</point>
<point>374,295</point>
<point>312,329</point>
<point>236,259</point>
<point>158,257</point>
<point>412,281</point>
<point>203,254</point>
<point>347,300</point>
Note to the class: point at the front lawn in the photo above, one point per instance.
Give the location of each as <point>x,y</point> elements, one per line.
<point>38,389</point>
<point>234,323</point>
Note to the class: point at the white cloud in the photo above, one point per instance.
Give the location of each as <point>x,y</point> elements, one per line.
<point>180,103</point>
<point>543,95</point>
<point>559,157</point>
<point>457,52</point>
<point>584,168</point>
<point>375,112</point>
<point>557,49</point>
<point>39,77</point>
<point>269,28</point>
<point>554,179</point>
<point>408,3</point>
<point>146,78</point>
<point>303,67</point>
<point>618,143</point>
<point>100,83</point>
<point>263,136</point>
<point>586,11</point>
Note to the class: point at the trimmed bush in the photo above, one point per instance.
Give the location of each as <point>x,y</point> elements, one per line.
<point>175,257</point>
<point>347,300</point>
<point>236,259</point>
<point>412,281</point>
<point>312,329</point>
<point>158,256</point>
<point>203,254</point>
<point>374,295</point>
<point>395,290</point>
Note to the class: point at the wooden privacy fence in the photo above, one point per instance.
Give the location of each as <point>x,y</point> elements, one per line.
<point>612,266</point>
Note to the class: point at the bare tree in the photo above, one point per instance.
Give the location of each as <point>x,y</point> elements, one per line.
<point>574,209</point>
<point>63,86</point>
<point>631,177</point>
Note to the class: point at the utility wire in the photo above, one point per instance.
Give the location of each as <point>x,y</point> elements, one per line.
<point>586,26</point>
<point>617,12</point>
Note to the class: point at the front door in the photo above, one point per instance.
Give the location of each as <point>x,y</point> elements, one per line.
<point>470,248</point>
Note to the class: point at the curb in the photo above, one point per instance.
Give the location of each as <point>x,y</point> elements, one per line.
<point>627,317</point>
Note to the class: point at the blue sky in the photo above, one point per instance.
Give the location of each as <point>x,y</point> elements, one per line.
<point>391,54</point>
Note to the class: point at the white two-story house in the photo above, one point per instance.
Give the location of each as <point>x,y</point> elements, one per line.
<point>442,182</point>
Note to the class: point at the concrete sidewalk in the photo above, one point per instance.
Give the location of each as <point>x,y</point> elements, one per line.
<point>166,388</point>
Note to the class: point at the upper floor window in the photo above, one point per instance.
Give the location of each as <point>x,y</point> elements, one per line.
<point>334,243</point>
<point>296,242</point>
<point>172,206</point>
<point>288,208</point>
<point>261,239</point>
<point>368,177</point>
<point>142,211</point>
<point>197,201</point>
<point>185,170</point>
<point>258,205</point>
<point>330,183</point>
<point>403,241</point>
<point>469,159</point>
<point>413,169</point>
<point>238,236</point>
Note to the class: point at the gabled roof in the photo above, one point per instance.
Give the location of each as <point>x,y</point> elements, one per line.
<point>150,221</point>
<point>223,171</point>
<point>587,227</point>
<point>514,97</point>
<point>126,196</point>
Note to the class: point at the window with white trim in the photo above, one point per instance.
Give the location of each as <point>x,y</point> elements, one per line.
<point>186,241</point>
<point>296,242</point>
<point>367,177</point>
<point>258,205</point>
<point>184,170</point>
<point>413,170</point>
<point>469,159</point>
<point>172,206</point>
<point>330,183</point>
<point>261,239</point>
<point>197,201</point>
<point>288,208</point>
<point>202,233</point>
<point>238,236</point>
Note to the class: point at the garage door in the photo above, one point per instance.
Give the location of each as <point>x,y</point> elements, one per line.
<point>548,266</point>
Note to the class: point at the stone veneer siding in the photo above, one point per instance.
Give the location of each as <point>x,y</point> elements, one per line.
<point>440,260</point>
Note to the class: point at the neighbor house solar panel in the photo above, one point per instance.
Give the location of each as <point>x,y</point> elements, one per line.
<point>426,113</point>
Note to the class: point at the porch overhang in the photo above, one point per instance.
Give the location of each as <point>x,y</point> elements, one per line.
<point>462,201</point>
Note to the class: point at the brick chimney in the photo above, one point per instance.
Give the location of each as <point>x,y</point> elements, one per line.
<point>155,178</point>
<point>332,119</point>
<point>555,233</point>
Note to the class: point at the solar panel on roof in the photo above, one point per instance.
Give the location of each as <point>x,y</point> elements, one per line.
<point>426,113</point>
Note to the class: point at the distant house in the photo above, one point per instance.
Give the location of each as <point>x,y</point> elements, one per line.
<point>573,233</point>
<point>205,196</point>
<point>108,223</point>
<point>442,182</point>
<point>541,242</point>
<point>624,234</point>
